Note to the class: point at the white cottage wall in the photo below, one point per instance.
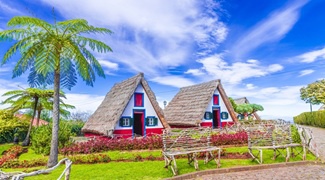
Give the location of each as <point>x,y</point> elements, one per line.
<point>149,110</point>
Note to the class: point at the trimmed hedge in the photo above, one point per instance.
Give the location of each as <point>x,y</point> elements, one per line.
<point>315,118</point>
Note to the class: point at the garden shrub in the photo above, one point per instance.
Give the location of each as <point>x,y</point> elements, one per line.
<point>295,134</point>
<point>41,138</point>
<point>76,127</point>
<point>11,125</point>
<point>151,142</point>
<point>315,118</point>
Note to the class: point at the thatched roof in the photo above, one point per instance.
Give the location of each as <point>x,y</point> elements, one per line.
<point>187,108</point>
<point>244,100</point>
<point>110,110</point>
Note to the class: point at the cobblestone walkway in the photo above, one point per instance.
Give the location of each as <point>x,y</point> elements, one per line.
<point>303,172</point>
<point>319,136</point>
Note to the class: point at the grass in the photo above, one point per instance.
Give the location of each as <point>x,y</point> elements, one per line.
<point>146,169</point>
<point>4,147</point>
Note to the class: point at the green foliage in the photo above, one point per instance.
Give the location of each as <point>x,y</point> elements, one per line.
<point>76,127</point>
<point>41,137</point>
<point>315,118</point>
<point>295,134</point>
<point>11,125</point>
<point>314,93</point>
<point>248,109</point>
<point>233,103</point>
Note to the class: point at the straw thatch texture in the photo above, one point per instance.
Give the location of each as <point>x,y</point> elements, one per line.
<point>110,110</point>
<point>187,108</point>
<point>244,100</point>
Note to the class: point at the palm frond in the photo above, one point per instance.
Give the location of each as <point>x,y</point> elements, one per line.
<point>29,22</point>
<point>95,45</point>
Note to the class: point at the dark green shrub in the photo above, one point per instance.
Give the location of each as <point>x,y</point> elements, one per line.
<point>76,127</point>
<point>11,125</point>
<point>315,118</point>
<point>41,137</point>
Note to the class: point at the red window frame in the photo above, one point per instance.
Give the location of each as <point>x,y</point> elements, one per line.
<point>138,100</point>
<point>215,99</point>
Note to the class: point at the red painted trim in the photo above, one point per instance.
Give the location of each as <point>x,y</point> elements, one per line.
<point>224,124</point>
<point>206,124</point>
<point>154,131</point>
<point>179,126</point>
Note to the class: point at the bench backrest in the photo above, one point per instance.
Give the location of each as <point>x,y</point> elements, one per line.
<point>183,139</point>
<point>269,135</point>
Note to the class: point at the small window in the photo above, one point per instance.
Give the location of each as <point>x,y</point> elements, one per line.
<point>138,99</point>
<point>215,99</point>
<point>126,122</point>
<point>151,121</point>
<point>224,115</point>
<point>207,115</point>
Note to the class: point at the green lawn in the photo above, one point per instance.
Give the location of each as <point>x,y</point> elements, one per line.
<point>4,147</point>
<point>145,169</point>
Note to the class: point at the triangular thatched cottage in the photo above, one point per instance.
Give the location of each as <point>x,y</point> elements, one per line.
<point>129,109</point>
<point>244,100</point>
<point>203,104</point>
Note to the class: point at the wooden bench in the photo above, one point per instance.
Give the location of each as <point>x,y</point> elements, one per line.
<point>190,142</point>
<point>276,137</point>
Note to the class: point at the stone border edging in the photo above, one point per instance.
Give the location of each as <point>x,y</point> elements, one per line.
<point>242,168</point>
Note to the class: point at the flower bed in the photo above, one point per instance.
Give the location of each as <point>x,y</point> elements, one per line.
<point>152,142</point>
<point>11,154</point>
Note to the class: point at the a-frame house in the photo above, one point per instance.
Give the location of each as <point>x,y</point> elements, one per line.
<point>204,104</point>
<point>129,109</point>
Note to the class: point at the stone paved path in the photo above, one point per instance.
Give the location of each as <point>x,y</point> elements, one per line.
<point>319,136</point>
<point>305,172</point>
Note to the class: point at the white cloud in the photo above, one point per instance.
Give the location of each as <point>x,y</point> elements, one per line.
<point>271,29</point>
<point>108,64</point>
<point>175,81</point>
<point>194,72</point>
<point>250,86</point>
<point>312,56</point>
<point>5,86</point>
<point>84,102</point>
<point>278,102</point>
<point>151,36</point>
<point>305,72</point>
<point>215,67</point>
<point>9,9</point>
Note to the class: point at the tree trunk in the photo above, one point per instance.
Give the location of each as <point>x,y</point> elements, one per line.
<point>27,138</point>
<point>53,159</point>
<point>38,117</point>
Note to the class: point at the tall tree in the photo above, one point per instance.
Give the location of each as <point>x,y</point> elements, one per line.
<point>50,49</point>
<point>314,93</point>
<point>28,98</point>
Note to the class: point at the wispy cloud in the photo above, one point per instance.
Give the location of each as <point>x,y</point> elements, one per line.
<point>4,7</point>
<point>312,56</point>
<point>306,72</point>
<point>217,68</point>
<point>278,102</point>
<point>271,29</point>
<point>152,36</point>
<point>108,66</point>
<point>175,81</point>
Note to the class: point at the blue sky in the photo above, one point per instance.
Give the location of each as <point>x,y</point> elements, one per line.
<point>264,50</point>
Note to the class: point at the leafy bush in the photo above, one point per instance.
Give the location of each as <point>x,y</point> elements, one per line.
<point>295,134</point>
<point>11,125</point>
<point>76,127</point>
<point>41,138</point>
<point>315,118</point>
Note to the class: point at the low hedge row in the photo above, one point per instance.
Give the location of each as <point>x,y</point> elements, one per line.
<point>152,142</point>
<point>315,118</point>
